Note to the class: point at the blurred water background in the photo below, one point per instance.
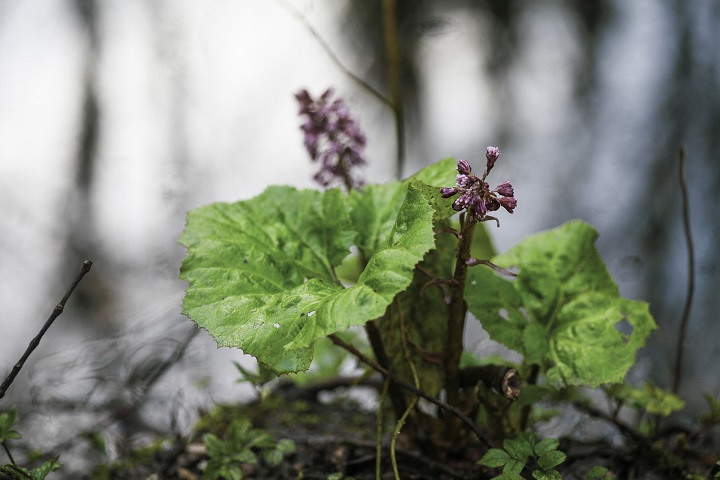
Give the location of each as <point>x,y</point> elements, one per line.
<point>116,117</point>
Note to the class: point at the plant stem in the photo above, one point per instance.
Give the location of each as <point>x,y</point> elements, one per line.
<point>396,395</point>
<point>379,431</point>
<point>677,376</point>
<point>7,451</point>
<point>457,311</point>
<point>454,410</point>
<point>394,78</point>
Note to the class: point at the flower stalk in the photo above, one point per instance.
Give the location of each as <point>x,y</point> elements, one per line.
<point>458,310</point>
<point>476,199</point>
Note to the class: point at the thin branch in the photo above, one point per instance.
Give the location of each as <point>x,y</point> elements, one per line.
<point>365,85</point>
<point>36,341</point>
<point>691,272</point>
<point>454,410</point>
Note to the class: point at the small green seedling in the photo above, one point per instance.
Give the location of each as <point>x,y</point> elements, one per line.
<point>238,447</point>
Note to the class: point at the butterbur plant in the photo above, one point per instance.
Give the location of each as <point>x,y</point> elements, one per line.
<point>408,260</point>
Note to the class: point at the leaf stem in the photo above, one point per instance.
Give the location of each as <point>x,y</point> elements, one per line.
<point>457,311</point>
<point>7,451</point>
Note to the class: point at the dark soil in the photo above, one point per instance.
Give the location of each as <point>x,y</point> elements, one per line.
<point>339,438</point>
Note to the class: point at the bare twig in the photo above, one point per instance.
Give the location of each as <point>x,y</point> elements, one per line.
<point>36,341</point>
<point>365,85</point>
<point>691,272</point>
<point>454,410</point>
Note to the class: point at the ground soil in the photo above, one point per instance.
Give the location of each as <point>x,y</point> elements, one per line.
<point>337,439</point>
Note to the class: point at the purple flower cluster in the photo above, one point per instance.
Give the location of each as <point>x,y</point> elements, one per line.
<point>332,138</point>
<point>475,194</point>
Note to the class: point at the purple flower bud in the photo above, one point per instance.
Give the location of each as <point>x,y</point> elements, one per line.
<point>505,189</point>
<point>479,209</point>
<point>448,192</point>
<point>466,200</point>
<point>463,167</point>
<point>465,181</point>
<point>492,204</point>
<point>475,195</point>
<point>492,155</point>
<point>509,203</point>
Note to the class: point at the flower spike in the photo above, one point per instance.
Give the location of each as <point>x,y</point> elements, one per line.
<point>475,195</point>
<point>332,138</point>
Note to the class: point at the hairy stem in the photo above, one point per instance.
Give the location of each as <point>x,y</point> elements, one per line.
<point>457,311</point>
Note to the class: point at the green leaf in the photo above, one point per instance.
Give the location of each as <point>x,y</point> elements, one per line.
<point>440,174</point>
<point>261,272</point>
<point>419,316</point>
<point>373,210</point>
<point>521,447</point>
<point>39,473</point>
<point>547,475</point>
<point>46,468</point>
<point>650,398</point>
<point>546,445</point>
<point>15,471</point>
<point>509,476</point>
<point>245,456</point>
<point>215,446</point>
<point>551,459</point>
<point>569,305</point>
<point>273,457</point>
<point>495,457</point>
<point>514,466</point>
<point>285,446</point>
<point>598,473</point>
<point>7,420</point>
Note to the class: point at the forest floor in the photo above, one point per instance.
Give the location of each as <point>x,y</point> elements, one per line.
<point>335,440</point>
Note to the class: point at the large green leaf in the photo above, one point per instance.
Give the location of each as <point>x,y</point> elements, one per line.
<point>563,310</point>
<point>261,272</point>
<point>414,327</point>
<point>373,208</point>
